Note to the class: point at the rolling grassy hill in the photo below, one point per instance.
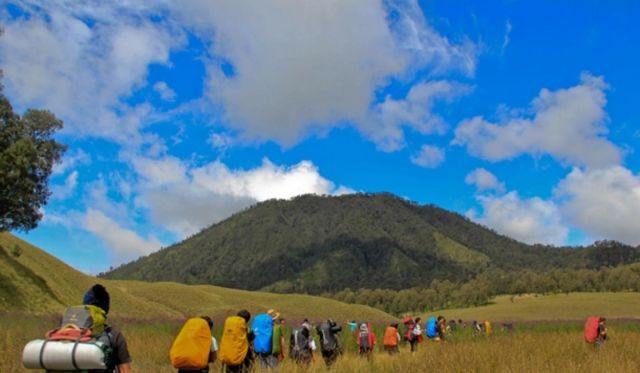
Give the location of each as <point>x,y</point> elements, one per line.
<point>572,306</point>
<point>36,282</point>
<point>316,244</point>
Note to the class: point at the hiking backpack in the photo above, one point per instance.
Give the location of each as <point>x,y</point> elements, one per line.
<point>591,329</point>
<point>276,347</point>
<point>299,343</point>
<point>262,327</point>
<point>390,337</point>
<point>432,327</point>
<point>364,338</point>
<point>327,337</point>
<point>190,350</point>
<point>234,344</point>
<point>409,334</point>
<point>82,342</point>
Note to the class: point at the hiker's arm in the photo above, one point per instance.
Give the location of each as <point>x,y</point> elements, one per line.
<point>124,368</point>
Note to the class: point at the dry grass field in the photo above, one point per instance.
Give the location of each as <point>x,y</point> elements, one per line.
<point>523,351</point>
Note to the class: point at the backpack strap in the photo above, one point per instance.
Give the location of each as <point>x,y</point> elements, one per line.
<point>41,357</point>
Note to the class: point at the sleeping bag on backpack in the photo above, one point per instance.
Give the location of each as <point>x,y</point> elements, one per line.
<point>432,327</point>
<point>190,350</point>
<point>262,327</point>
<point>234,344</point>
<point>81,342</point>
<point>591,329</point>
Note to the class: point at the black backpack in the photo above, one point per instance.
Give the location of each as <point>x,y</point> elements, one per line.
<point>299,343</point>
<point>328,340</point>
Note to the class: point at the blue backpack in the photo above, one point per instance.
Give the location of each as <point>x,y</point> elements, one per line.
<point>432,327</point>
<point>262,327</point>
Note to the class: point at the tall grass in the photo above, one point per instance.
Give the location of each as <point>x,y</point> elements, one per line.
<point>534,348</point>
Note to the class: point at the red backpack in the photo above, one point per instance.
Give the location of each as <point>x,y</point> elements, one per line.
<point>409,334</point>
<point>591,329</point>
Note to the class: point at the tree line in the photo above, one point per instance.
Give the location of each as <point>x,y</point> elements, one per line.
<point>481,289</point>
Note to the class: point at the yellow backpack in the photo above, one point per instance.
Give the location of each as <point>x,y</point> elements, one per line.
<point>487,327</point>
<point>190,349</point>
<point>234,343</point>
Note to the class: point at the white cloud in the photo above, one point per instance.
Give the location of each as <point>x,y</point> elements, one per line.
<point>568,124</point>
<point>531,220</point>
<point>165,92</point>
<point>302,65</point>
<point>507,35</point>
<point>415,111</point>
<point>83,71</point>
<point>65,190</point>
<point>70,160</point>
<point>195,197</point>
<point>429,157</point>
<point>124,243</point>
<point>220,141</point>
<point>484,180</point>
<point>603,202</point>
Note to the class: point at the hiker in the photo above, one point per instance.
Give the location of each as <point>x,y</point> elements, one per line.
<point>302,345</point>
<point>194,347</point>
<point>391,339</point>
<point>98,296</point>
<point>488,328</point>
<point>366,340</point>
<point>602,332</point>
<point>595,331</point>
<point>353,325</point>
<point>236,354</point>
<point>441,328</point>
<point>416,334</point>
<point>278,341</point>
<point>431,329</point>
<point>330,345</point>
<point>262,328</point>
<point>411,335</point>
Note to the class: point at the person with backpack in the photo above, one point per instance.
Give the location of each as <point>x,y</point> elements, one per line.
<point>595,331</point>
<point>415,334</point>
<point>84,335</point>
<point>194,348</point>
<point>391,339</point>
<point>98,296</point>
<point>366,340</point>
<point>236,354</point>
<point>441,326</point>
<point>302,345</point>
<point>278,341</point>
<point>330,345</point>
<point>262,328</point>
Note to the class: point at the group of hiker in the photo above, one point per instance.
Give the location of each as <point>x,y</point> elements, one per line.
<point>86,342</point>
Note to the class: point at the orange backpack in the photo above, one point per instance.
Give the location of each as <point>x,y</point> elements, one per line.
<point>390,337</point>
<point>190,349</point>
<point>591,329</point>
<point>234,344</point>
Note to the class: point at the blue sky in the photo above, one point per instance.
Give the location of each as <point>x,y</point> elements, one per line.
<point>518,115</point>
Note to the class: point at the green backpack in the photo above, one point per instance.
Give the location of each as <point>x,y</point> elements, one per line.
<point>275,340</point>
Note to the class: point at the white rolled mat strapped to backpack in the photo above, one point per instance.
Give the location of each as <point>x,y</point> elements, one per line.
<point>64,355</point>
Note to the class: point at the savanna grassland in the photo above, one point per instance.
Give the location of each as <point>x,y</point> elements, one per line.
<point>527,349</point>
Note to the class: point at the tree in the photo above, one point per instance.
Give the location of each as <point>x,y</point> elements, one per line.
<point>27,155</point>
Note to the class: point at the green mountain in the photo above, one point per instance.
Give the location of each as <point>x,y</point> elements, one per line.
<point>317,244</point>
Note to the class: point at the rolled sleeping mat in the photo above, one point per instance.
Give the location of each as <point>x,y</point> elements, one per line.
<point>64,355</point>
